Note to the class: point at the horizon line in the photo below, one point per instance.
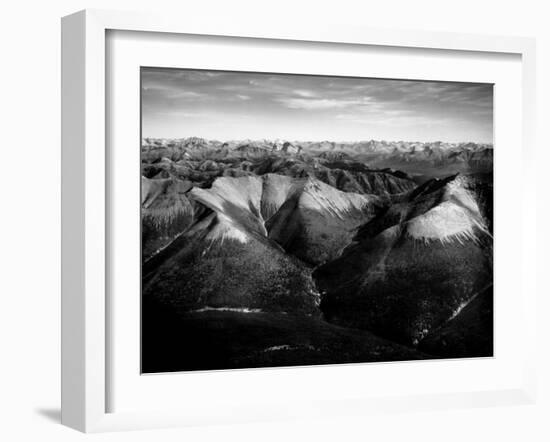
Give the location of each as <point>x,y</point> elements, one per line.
<point>317,141</point>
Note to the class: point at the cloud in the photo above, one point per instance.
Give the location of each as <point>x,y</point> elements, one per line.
<point>184,114</point>
<point>170,94</point>
<point>188,95</point>
<point>343,106</point>
<point>304,93</point>
<point>321,103</point>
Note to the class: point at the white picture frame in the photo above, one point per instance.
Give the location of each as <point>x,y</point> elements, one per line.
<point>85,310</point>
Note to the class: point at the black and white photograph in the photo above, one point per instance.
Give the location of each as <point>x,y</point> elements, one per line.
<point>268,222</point>
<point>298,220</point>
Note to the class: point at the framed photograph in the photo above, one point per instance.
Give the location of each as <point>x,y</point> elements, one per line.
<point>263,222</point>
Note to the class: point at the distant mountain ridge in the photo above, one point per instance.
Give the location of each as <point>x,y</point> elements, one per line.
<point>279,144</point>
<point>341,172</point>
<point>416,158</point>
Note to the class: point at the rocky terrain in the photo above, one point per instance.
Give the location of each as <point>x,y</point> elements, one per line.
<point>267,253</point>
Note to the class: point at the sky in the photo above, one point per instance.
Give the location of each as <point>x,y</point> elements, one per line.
<point>218,105</point>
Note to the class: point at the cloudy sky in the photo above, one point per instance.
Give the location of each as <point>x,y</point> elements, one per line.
<point>235,105</point>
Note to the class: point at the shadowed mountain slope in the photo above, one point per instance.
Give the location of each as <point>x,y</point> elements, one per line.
<point>413,266</point>
<point>166,212</point>
<point>218,264</point>
<point>468,333</point>
<point>318,221</point>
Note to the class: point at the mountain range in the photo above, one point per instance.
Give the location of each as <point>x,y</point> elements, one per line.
<point>419,160</point>
<point>315,252</point>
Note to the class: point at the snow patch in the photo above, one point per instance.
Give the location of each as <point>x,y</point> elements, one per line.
<point>321,197</point>
<point>243,192</point>
<point>227,309</point>
<point>445,222</point>
<point>289,347</point>
<point>455,219</point>
<point>225,229</point>
<point>461,306</point>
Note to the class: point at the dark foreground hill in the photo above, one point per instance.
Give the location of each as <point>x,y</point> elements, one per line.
<point>224,339</point>
<point>469,333</point>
